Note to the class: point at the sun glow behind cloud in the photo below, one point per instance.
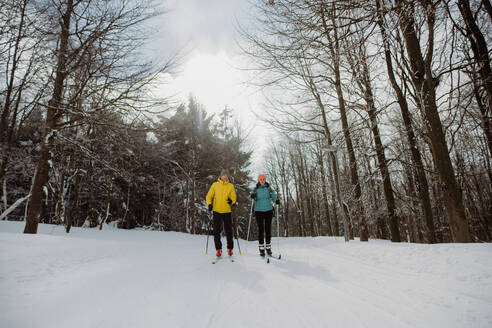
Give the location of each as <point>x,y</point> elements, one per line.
<point>206,33</point>
<point>213,80</point>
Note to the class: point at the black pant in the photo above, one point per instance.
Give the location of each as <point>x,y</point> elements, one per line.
<point>227,219</point>
<point>264,220</point>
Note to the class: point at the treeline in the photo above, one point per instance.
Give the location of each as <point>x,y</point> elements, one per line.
<point>399,92</point>
<point>84,139</point>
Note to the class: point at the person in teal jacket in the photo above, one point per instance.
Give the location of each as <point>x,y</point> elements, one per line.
<point>264,197</point>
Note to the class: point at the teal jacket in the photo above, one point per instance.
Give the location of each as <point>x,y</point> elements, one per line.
<point>265,196</point>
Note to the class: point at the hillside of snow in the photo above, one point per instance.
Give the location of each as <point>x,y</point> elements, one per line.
<point>118,278</point>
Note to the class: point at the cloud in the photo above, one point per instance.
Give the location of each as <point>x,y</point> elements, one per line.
<point>203,25</point>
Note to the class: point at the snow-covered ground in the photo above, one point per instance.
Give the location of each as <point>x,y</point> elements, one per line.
<point>117,278</point>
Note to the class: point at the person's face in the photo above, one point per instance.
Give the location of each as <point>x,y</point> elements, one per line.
<point>224,178</point>
<point>262,180</point>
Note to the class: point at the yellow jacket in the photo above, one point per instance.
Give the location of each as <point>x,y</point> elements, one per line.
<point>219,193</point>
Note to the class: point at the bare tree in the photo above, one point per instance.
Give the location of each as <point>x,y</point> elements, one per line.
<point>94,47</point>
<point>423,187</point>
<point>425,86</point>
<point>21,54</point>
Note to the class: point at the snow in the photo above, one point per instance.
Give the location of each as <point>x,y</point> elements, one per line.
<point>25,143</point>
<point>120,278</point>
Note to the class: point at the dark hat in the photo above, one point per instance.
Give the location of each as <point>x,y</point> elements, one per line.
<point>224,172</point>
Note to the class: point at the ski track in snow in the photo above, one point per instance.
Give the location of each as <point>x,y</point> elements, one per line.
<point>117,278</point>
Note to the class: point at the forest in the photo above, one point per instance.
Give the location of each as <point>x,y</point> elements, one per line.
<point>382,109</point>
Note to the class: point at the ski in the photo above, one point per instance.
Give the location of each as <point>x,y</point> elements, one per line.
<point>217,259</point>
<point>275,256</point>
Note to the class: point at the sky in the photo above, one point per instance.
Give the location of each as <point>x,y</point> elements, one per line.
<point>212,68</point>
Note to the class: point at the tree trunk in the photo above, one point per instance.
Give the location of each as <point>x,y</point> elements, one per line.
<point>423,186</point>
<point>52,115</point>
<point>333,157</point>
<point>383,169</point>
<point>324,192</point>
<point>336,227</point>
<point>488,8</point>
<point>333,45</point>
<point>59,199</point>
<point>193,200</point>
<point>425,87</point>
<point>108,205</point>
<point>298,197</point>
<point>327,134</point>
<point>4,197</point>
<point>479,48</point>
<point>73,204</point>
<point>393,223</point>
<point>285,194</point>
<point>484,115</point>
<point>302,195</point>
<point>414,216</point>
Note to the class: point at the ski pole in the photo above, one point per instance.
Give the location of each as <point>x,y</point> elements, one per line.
<point>237,239</point>
<point>237,234</point>
<point>278,228</point>
<point>208,230</point>
<point>250,214</point>
<point>278,232</point>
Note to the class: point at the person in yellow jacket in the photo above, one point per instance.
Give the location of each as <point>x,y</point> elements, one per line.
<point>220,198</point>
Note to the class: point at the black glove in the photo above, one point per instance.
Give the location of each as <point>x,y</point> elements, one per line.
<point>210,207</point>
<point>253,196</point>
<point>229,201</point>
<point>277,202</point>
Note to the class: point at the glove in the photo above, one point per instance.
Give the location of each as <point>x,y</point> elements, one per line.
<point>210,207</point>
<point>277,202</point>
<point>253,196</point>
<point>229,201</point>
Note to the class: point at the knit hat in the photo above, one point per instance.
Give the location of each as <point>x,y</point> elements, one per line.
<point>261,176</point>
<point>224,172</point>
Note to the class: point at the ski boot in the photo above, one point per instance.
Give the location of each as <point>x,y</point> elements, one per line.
<point>219,253</point>
<point>229,251</point>
<point>269,249</point>
<point>262,250</point>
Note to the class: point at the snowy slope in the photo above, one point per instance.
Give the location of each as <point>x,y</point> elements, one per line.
<point>117,278</point>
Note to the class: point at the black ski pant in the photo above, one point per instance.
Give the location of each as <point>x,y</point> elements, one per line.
<point>264,220</point>
<point>226,218</point>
